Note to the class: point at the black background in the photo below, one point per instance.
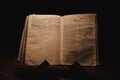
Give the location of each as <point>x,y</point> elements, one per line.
<point>13,13</point>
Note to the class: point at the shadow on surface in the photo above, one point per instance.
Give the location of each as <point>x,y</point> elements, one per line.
<point>47,72</point>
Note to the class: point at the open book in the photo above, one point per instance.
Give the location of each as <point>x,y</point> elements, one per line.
<point>60,40</point>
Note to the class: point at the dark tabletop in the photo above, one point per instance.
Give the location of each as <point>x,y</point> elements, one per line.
<point>11,69</point>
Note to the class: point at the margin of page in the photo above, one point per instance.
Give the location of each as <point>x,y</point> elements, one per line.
<point>80,14</point>
<point>44,14</point>
<point>29,24</point>
<point>97,47</point>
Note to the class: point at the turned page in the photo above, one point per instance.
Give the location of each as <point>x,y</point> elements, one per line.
<point>43,39</point>
<point>21,54</point>
<point>79,39</point>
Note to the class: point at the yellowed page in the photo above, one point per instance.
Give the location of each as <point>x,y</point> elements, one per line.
<point>61,39</point>
<point>79,39</point>
<point>43,40</point>
<point>21,54</point>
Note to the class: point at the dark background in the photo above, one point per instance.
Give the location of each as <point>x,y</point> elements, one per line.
<point>13,15</point>
<point>12,18</point>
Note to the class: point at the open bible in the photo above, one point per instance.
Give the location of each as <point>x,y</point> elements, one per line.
<point>60,40</point>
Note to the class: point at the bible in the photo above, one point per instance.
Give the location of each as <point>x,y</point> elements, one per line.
<point>60,40</point>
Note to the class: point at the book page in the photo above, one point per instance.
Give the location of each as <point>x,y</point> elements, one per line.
<point>79,39</point>
<point>21,54</point>
<point>43,40</point>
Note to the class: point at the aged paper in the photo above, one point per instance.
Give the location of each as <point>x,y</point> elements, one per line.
<point>59,40</point>
<point>79,39</point>
<point>43,40</point>
<point>21,55</point>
